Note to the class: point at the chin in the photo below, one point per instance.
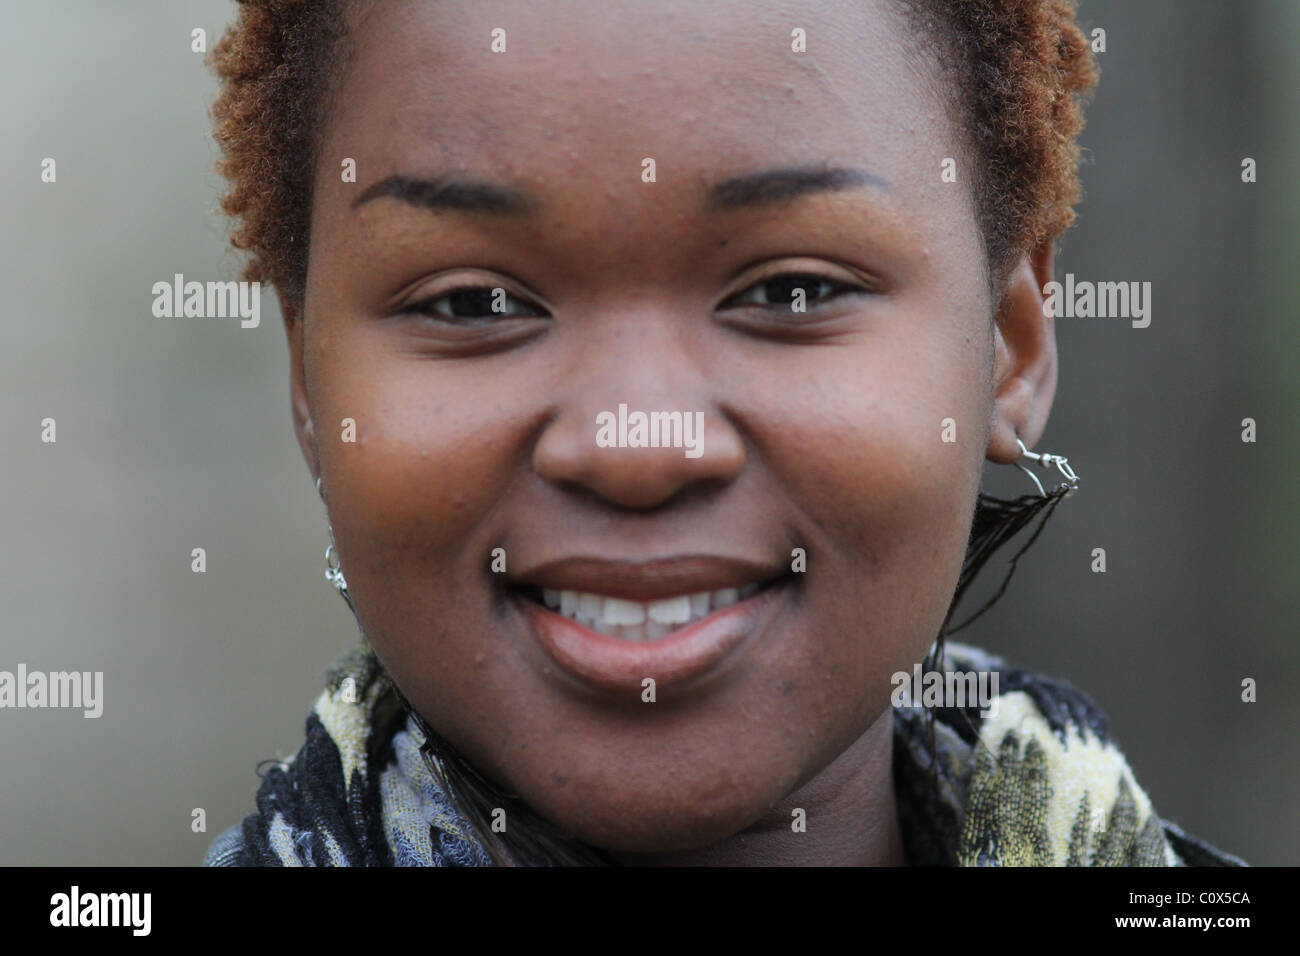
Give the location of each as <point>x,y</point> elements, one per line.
<point>668,829</point>
<point>664,811</point>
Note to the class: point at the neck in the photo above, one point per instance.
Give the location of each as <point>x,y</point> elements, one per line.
<point>850,816</point>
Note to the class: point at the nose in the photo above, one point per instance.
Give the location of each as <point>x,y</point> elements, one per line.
<point>636,423</point>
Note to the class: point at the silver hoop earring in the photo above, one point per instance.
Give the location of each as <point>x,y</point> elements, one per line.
<point>1046,460</point>
<point>333,569</point>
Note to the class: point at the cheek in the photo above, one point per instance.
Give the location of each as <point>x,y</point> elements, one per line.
<point>427,460</point>
<point>878,445</point>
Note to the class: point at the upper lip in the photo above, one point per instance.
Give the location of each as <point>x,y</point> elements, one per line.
<point>645,580</point>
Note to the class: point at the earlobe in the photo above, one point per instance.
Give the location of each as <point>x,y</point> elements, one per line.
<point>301,408</point>
<point>1025,362</point>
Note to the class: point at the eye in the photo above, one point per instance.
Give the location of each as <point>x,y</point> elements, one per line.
<point>476,302</point>
<point>787,290</point>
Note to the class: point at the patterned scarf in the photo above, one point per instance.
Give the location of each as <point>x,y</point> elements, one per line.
<point>1037,783</point>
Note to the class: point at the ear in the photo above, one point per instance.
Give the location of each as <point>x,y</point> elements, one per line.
<point>302,423</point>
<point>1025,358</point>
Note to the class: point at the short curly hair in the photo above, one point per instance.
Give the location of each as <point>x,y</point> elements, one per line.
<point>1020,68</point>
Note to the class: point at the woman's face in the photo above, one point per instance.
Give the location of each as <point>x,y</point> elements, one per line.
<point>475,430</point>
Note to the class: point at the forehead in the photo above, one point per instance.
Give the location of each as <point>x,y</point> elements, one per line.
<point>584,92</point>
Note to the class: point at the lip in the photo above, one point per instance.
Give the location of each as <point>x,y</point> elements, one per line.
<point>613,664</point>
<point>646,580</point>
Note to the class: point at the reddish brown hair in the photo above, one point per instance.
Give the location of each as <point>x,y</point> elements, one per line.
<point>1020,69</point>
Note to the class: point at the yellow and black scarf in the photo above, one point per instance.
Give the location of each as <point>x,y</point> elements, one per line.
<point>1036,783</point>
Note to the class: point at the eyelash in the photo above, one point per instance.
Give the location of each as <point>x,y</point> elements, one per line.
<point>426,306</point>
<point>813,281</point>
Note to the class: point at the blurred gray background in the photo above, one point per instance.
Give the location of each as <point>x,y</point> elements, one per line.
<point>175,434</point>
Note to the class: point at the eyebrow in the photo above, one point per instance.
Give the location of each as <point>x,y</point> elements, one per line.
<point>457,195</point>
<point>784,184</point>
<point>753,189</point>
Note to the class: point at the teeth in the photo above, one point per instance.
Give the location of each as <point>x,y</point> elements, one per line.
<point>637,621</point>
<point>625,612</point>
<point>670,611</point>
<point>590,607</point>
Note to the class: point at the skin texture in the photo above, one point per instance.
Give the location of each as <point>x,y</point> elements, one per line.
<point>822,429</point>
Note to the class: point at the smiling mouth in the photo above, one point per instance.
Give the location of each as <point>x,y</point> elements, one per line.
<point>639,621</point>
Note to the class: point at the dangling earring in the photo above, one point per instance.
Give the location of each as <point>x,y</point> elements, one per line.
<point>333,569</point>
<point>998,520</point>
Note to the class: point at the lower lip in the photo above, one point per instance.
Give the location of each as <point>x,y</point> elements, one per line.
<point>614,664</point>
